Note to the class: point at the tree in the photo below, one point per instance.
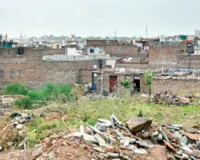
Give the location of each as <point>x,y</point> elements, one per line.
<point>148,77</point>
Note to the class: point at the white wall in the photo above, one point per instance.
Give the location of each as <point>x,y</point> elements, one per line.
<point>73,52</point>
<point>111,63</point>
<point>63,57</point>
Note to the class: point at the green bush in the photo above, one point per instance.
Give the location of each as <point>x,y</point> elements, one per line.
<point>148,77</point>
<point>56,89</point>
<point>15,89</point>
<point>24,103</point>
<point>37,98</point>
<point>126,83</point>
<point>36,94</point>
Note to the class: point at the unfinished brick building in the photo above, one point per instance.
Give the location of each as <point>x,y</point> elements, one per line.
<point>109,80</point>
<point>31,68</point>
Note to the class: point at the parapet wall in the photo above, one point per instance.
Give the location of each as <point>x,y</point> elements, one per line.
<point>174,85</point>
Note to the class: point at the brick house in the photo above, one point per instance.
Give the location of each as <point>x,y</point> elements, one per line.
<point>110,80</point>
<point>111,47</point>
<point>37,66</point>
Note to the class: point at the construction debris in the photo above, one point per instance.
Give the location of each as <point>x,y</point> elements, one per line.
<point>138,139</point>
<point>13,134</point>
<point>138,124</point>
<point>168,98</point>
<point>111,139</point>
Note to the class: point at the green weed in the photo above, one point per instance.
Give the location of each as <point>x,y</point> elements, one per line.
<point>37,98</point>
<point>24,103</point>
<point>15,89</point>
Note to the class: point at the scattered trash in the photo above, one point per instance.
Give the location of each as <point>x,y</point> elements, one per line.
<point>13,135</point>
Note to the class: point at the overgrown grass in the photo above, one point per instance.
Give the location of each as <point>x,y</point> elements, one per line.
<point>40,129</point>
<point>50,92</point>
<point>24,103</point>
<point>88,111</point>
<point>91,110</point>
<point>15,89</point>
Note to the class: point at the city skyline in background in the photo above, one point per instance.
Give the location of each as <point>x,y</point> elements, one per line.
<point>98,17</point>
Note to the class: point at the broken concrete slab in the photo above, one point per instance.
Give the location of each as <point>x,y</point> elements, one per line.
<point>177,135</point>
<point>170,146</point>
<point>194,137</point>
<point>168,133</point>
<point>20,126</point>
<point>37,151</point>
<point>89,138</point>
<point>158,152</point>
<point>140,151</point>
<point>184,140</point>
<point>105,122</point>
<point>75,134</point>
<point>95,129</point>
<point>116,120</point>
<point>100,140</point>
<point>137,124</point>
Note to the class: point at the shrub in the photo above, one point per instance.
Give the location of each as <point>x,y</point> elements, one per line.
<point>15,89</point>
<point>148,77</point>
<point>56,89</point>
<point>24,103</point>
<point>126,83</point>
<point>50,92</point>
<point>36,94</point>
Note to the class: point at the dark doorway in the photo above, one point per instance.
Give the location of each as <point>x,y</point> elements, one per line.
<point>113,83</point>
<point>137,85</point>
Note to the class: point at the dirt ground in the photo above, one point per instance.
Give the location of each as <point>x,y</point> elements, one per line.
<point>62,153</point>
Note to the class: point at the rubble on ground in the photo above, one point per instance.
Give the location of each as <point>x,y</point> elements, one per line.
<point>139,139</point>
<point>169,98</point>
<point>111,139</point>
<point>12,135</point>
<point>9,99</point>
<point>102,96</point>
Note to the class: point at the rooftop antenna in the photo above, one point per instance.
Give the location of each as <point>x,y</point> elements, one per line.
<point>21,35</point>
<point>6,37</point>
<point>146,30</point>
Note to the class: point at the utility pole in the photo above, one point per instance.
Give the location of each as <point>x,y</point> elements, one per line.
<point>115,32</point>
<point>146,31</point>
<point>0,37</point>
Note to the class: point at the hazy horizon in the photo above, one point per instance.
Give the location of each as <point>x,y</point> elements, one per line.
<point>98,17</point>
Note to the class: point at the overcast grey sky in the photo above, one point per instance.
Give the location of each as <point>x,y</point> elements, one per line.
<point>99,17</point>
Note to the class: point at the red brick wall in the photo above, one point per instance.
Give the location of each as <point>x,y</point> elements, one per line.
<point>85,76</point>
<point>101,42</point>
<point>121,51</point>
<point>34,70</point>
<point>186,61</point>
<point>166,56</point>
<point>174,85</point>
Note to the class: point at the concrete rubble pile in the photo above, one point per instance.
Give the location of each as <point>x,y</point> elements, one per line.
<point>138,139</point>
<point>171,99</point>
